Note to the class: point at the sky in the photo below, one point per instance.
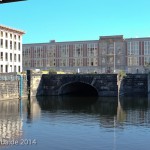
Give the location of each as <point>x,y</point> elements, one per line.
<point>75,20</point>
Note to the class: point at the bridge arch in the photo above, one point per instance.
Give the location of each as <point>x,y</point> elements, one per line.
<point>78,88</point>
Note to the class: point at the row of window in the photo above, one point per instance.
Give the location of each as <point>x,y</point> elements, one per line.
<point>78,53</point>
<point>62,62</point>
<point>7,68</point>
<point>10,45</point>
<point>10,57</point>
<point>133,48</point>
<point>134,61</point>
<point>10,35</point>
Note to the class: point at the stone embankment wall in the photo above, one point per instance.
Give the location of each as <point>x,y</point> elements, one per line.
<point>10,86</point>
<point>134,85</point>
<point>9,90</point>
<point>34,83</point>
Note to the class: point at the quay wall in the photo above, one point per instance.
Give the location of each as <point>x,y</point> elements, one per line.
<point>11,87</point>
<point>134,85</point>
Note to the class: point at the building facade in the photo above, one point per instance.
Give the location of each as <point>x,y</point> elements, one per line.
<point>10,49</point>
<point>138,55</point>
<point>108,54</point>
<point>105,55</point>
<point>111,53</point>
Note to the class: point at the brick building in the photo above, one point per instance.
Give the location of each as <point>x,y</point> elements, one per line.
<point>138,54</point>
<point>108,54</point>
<point>70,56</point>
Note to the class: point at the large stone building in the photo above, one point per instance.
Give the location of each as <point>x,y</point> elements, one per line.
<point>103,55</point>
<point>108,54</point>
<point>10,49</point>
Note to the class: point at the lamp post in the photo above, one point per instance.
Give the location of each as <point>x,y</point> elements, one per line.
<point>114,58</point>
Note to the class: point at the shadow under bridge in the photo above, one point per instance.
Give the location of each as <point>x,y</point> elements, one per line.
<point>78,88</point>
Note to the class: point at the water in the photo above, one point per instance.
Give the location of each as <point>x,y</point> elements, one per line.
<point>75,123</point>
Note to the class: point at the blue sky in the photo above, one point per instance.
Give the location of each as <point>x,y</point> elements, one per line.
<point>69,20</point>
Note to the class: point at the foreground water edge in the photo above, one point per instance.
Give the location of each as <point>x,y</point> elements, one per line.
<point>66,122</point>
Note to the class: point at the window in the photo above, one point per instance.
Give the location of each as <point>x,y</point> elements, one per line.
<point>11,57</point>
<point>146,47</point>
<point>1,35</point>
<point>133,61</point>
<point>78,50</point>
<point>6,35</point>
<point>19,37</point>
<point>11,68</point>
<point>15,69</point>
<point>15,46</point>
<point>1,69</point>
<point>15,37</point>
<point>19,69</point>
<point>1,44</point>
<point>6,68</point>
<point>146,61</point>
<point>19,57</point>
<point>10,36</point>
<point>6,44</point>
<point>92,49</point>
<point>19,46</point>
<point>10,44</point>
<point>6,56</point>
<point>1,56</point>
<point>14,57</point>
<point>133,48</point>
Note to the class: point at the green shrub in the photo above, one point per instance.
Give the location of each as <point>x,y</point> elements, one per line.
<point>121,74</point>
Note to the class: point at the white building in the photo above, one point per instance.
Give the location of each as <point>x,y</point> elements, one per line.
<point>10,49</point>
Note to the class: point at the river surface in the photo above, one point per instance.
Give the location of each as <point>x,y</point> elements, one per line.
<point>75,123</point>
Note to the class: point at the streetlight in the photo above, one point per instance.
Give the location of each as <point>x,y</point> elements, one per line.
<point>114,58</point>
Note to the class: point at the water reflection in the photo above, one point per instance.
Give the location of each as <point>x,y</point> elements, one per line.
<point>10,120</point>
<point>125,109</point>
<point>33,109</point>
<point>133,110</point>
<point>77,122</point>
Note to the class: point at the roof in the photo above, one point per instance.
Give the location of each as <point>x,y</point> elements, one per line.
<point>11,29</point>
<point>65,42</point>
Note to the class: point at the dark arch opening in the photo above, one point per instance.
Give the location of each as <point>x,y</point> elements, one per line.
<point>78,88</point>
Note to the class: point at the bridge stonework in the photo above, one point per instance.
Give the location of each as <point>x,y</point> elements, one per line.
<point>104,84</point>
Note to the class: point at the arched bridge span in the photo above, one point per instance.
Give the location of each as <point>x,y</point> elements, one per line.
<point>94,84</point>
<point>78,88</point>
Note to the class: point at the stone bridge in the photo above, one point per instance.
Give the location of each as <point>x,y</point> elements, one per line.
<point>87,84</point>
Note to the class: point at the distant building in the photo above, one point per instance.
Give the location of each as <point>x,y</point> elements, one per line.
<point>138,54</point>
<point>10,49</point>
<point>87,56</point>
<point>108,54</point>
